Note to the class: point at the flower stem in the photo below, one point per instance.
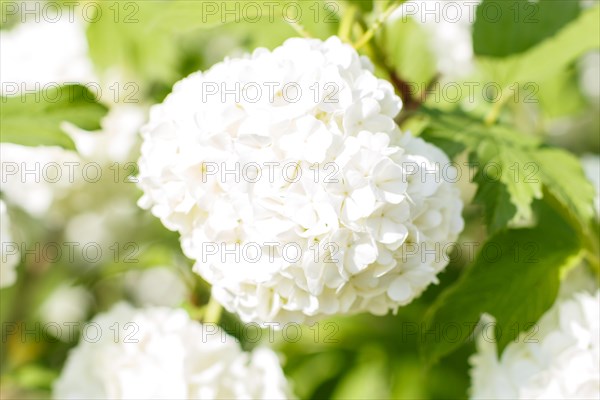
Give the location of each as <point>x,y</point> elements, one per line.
<point>494,113</point>
<point>212,312</point>
<point>300,29</point>
<point>368,35</point>
<point>346,23</point>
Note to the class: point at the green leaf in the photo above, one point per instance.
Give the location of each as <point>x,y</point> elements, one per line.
<point>561,95</point>
<point>550,56</point>
<point>127,35</point>
<point>507,27</point>
<point>34,376</point>
<point>515,278</point>
<point>513,168</point>
<point>495,199</point>
<point>406,43</point>
<point>34,119</point>
<point>363,5</point>
<point>368,378</point>
<point>144,37</point>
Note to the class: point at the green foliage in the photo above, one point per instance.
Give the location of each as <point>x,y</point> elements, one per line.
<point>143,37</point>
<point>127,35</point>
<point>550,56</point>
<point>513,168</point>
<point>363,5</point>
<point>515,278</point>
<point>507,27</point>
<point>34,119</point>
<point>560,96</point>
<point>407,48</point>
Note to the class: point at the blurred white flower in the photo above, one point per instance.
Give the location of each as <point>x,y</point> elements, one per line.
<point>34,177</point>
<point>332,207</point>
<point>117,139</point>
<point>8,253</point>
<point>44,52</point>
<point>35,54</point>
<point>559,361</point>
<point>159,353</point>
<point>589,75</point>
<point>449,24</point>
<point>591,168</point>
<point>66,304</point>
<point>157,286</point>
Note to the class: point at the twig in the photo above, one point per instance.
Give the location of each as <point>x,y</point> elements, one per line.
<point>212,312</point>
<point>368,35</point>
<point>300,29</point>
<point>347,22</point>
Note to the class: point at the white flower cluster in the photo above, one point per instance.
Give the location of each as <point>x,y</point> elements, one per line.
<point>560,361</point>
<point>61,47</point>
<point>8,262</point>
<point>42,52</point>
<point>160,353</point>
<point>357,194</point>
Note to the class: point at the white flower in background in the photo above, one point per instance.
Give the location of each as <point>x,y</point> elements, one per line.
<point>348,239</point>
<point>158,286</point>
<point>449,24</point>
<point>9,256</point>
<point>61,48</point>
<point>97,215</point>
<point>117,139</point>
<point>161,354</point>
<point>36,178</point>
<point>39,178</point>
<point>591,168</point>
<point>560,361</point>
<point>589,75</point>
<point>66,304</point>
<point>30,178</point>
<point>39,53</point>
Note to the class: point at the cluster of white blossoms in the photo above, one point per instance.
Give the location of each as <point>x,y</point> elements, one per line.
<point>160,353</point>
<point>8,262</point>
<point>61,47</point>
<point>559,361</point>
<point>327,206</point>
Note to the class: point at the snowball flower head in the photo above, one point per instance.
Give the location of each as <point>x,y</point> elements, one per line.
<point>305,200</point>
<point>559,361</point>
<point>8,253</point>
<point>159,353</point>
